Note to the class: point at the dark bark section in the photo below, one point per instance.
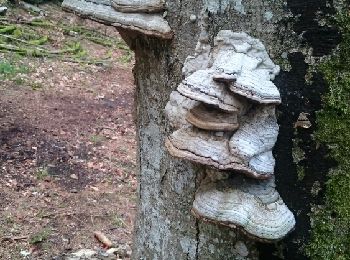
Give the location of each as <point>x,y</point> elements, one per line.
<point>300,96</point>
<point>310,13</point>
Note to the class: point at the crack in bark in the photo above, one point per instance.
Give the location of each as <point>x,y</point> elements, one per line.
<point>197,239</point>
<point>198,180</point>
<point>162,180</point>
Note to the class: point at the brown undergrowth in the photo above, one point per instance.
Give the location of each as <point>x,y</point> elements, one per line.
<point>67,141</point>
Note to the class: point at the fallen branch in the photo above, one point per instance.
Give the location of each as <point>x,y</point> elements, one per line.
<point>88,62</point>
<point>13,239</point>
<point>31,8</point>
<point>103,239</point>
<point>38,52</point>
<point>37,42</point>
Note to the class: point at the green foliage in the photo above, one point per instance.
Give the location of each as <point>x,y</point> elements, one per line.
<point>118,221</point>
<point>7,29</point>
<point>300,172</point>
<point>330,223</point>
<point>97,139</point>
<point>298,155</point>
<point>39,41</point>
<point>42,173</point>
<point>39,237</point>
<point>9,70</point>
<point>126,57</point>
<point>36,86</point>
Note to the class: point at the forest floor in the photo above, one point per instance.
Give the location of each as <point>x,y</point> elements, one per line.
<point>67,135</point>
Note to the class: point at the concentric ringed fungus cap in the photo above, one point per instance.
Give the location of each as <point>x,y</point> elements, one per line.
<point>102,11</point>
<point>200,86</point>
<point>237,51</point>
<point>206,148</point>
<point>263,162</point>
<point>257,133</point>
<point>254,207</point>
<point>250,85</point>
<point>244,63</point>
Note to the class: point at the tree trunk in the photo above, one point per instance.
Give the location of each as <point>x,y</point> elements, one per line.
<point>164,227</point>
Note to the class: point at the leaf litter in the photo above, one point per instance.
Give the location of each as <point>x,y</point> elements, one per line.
<point>67,135</point>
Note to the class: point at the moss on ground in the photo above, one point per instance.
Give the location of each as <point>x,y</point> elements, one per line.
<point>50,38</point>
<point>330,238</point>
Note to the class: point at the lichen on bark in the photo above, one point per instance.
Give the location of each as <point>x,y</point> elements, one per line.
<point>330,237</point>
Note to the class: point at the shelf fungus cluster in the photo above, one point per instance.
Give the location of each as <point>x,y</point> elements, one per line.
<point>223,113</point>
<point>144,16</point>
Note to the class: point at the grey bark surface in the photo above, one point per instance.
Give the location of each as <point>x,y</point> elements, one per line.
<point>164,227</point>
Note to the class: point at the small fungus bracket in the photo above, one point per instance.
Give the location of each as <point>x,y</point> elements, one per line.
<point>145,17</point>
<point>223,113</point>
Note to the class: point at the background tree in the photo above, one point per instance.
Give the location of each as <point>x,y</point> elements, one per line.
<point>299,35</point>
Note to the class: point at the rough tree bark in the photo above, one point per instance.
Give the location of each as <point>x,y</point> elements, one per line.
<point>296,35</point>
<point>165,228</point>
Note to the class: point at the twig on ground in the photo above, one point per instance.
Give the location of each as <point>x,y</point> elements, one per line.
<point>31,8</point>
<point>13,239</point>
<point>103,239</point>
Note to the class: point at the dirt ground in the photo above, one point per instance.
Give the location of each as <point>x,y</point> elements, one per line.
<point>67,146</point>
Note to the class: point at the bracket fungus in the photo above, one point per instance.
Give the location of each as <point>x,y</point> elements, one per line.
<point>256,88</point>
<point>224,117</point>
<point>200,86</point>
<point>177,108</point>
<point>207,148</point>
<point>253,206</point>
<point>244,62</point>
<point>257,134</point>
<point>142,16</point>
